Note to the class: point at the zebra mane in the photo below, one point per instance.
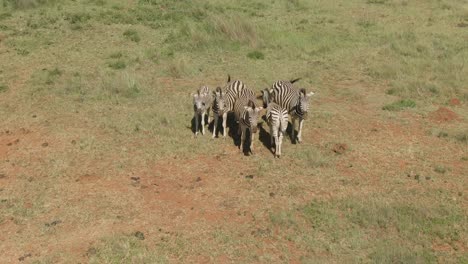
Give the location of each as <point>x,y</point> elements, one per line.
<point>219,90</point>
<point>229,78</point>
<point>295,80</point>
<point>251,104</point>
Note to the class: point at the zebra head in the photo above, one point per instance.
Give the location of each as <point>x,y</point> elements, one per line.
<point>302,106</point>
<point>251,115</point>
<point>266,97</point>
<point>219,100</point>
<point>199,103</point>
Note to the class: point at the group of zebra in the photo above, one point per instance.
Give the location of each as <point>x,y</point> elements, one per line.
<point>282,99</point>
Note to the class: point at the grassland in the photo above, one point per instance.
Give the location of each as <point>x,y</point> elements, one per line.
<point>98,162</point>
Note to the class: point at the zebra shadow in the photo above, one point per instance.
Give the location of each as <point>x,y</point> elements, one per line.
<point>231,127</point>
<point>193,124</point>
<point>265,137</point>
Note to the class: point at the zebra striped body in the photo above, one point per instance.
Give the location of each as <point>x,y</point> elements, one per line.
<point>225,99</point>
<point>295,101</point>
<point>246,113</point>
<point>277,118</point>
<point>202,101</point>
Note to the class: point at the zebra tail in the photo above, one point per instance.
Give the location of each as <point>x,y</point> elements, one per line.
<point>295,80</point>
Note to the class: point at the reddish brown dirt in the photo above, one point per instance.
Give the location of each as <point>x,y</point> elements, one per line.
<point>454,102</point>
<point>194,197</point>
<point>443,114</point>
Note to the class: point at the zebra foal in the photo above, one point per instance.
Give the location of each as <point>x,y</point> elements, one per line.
<point>202,101</point>
<point>246,113</point>
<point>296,101</point>
<point>277,119</point>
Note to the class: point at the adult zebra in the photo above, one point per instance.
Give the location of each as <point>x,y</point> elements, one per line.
<point>277,119</point>
<point>246,112</point>
<point>224,100</point>
<point>296,101</point>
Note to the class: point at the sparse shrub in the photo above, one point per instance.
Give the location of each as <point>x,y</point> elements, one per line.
<point>177,68</point>
<point>391,91</point>
<point>235,29</point>
<point>22,52</point>
<point>52,75</point>
<point>462,137</point>
<point>132,35</point>
<point>396,106</point>
<point>117,65</point>
<point>5,15</point>
<point>116,55</point>
<point>3,88</point>
<point>442,134</point>
<point>377,1</point>
<point>440,169</point>
<point>256,55</point>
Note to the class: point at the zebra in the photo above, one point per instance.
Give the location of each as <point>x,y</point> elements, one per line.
<point>296,101</point>
<point>224,100</point>
<point>277,119</point>
<point>202,101</point>
<point>246,112</point>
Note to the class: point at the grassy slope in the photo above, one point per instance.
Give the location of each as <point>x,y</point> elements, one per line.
<point>97,76</point>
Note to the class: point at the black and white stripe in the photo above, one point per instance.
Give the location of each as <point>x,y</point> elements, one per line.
<point>246,113</point>
<point>202,101</point>
<point>277,119</point>
<point>224,100</point>
<point>294,100</point>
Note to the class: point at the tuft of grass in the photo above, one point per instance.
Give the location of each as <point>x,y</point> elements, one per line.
<point>118,65</point>
<point>380,2</point>
<point>440,169</point>
<point>123,249</point>
<point>26,4</point>
<point>132,35</point>
<point>177,68</point>
<point>462,137</point>
<point>52,75</point>
<point>390,251</point>
<point>234,28</point>
<point>256,55</point>
<point>399,105</point>
<point>3,88</point>
<point>116,55</point>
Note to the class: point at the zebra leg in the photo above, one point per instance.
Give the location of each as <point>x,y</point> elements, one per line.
<point>203,123</point>
<point>241,147</point>
<point>299,132</point>
<point>271,136</point>
<point>196,124</point>
<point>293,124</point>
<point>280,142</point>
<point>215,124</point>
<point>252,137</point>
<point>224,125</point>
<point>208,114</point>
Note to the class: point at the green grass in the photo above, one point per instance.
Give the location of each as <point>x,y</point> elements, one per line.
<point>107,84</point>
<point>3,88</point>
<point>378,230</point>
<point>132,35</point>
<point>256,55</point>
<point>123,248</point>
<point>117,65</point>
<point>400,105</point>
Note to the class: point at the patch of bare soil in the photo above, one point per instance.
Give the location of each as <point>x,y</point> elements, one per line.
<point>443,114</point>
